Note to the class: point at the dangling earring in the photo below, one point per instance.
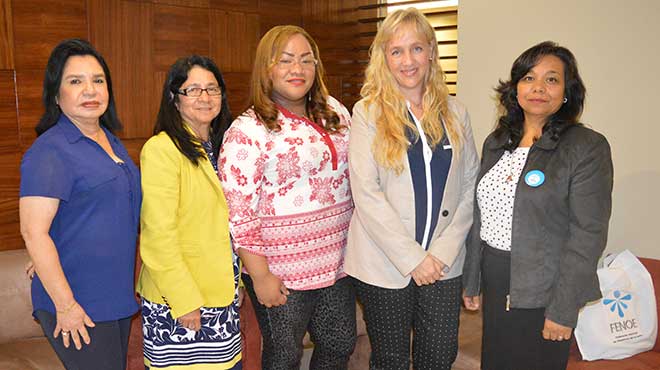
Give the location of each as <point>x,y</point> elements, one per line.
<point>565,100</point>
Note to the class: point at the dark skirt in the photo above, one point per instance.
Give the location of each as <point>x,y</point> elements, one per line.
<point>512,338</point>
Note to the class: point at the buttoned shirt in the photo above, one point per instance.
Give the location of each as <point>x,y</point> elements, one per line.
<point>96,224</point>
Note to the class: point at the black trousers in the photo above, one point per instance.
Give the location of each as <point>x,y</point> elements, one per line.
<point>106,351</point>
<point>513,339</point>
<point>327,313</point>
<point>432,312</point>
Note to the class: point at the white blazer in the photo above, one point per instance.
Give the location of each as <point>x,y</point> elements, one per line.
<point>382,249</point>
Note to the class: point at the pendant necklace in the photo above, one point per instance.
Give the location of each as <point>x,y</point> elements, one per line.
<point>510,177</point>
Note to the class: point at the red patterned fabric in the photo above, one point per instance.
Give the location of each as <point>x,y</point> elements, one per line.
<point>289,196</point>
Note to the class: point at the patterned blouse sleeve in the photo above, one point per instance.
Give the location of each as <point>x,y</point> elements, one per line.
<point>241,169</point>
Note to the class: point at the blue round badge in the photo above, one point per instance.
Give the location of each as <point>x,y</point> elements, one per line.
<point>534,178</point>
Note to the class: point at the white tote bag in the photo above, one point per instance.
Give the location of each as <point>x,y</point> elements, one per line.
<point>624,322</point>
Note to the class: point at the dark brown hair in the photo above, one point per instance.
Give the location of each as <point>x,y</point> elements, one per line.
<point>512,119</point>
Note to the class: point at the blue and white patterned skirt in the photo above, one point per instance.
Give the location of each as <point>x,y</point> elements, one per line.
<point>167,344</point>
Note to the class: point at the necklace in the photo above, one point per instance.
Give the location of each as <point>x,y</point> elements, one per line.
<point>509,178</point>
<point>519,153</point>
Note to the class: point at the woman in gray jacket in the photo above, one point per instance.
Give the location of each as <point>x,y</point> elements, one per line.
<point>542,209</point>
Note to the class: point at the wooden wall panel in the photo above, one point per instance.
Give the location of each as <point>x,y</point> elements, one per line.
<point>233,39</point>
<point>39,25</point>
<point>30,108</point>
<point>344,51</point>
<point>6,36</point>
<point>178,31</point>
<point>191,3</point>
<point>276,12</point>
<point>334,85</point>
<point>238,86</point>
<point>243,6</point>
<point>126,46</point>
<point>140,39</point>
<point>9,174</point>
<point>10,237</point>
<point>134,146</point>
<point>9,142</point>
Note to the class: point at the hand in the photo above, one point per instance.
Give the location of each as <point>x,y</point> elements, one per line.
<point>241,296</point>
<point>556,332</point>
<point>71,323</point>
<point>270,290</point>
<point>471,303</point>
<point>428,271</point>
<point>29,269</point>
<point>192,320</point>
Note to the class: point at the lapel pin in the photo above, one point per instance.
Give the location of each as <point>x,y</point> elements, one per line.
<point>534,178</point>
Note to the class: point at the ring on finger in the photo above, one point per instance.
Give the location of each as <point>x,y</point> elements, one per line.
<point>65,333</point>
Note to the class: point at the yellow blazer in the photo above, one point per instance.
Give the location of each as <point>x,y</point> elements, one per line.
<point>184,241</point>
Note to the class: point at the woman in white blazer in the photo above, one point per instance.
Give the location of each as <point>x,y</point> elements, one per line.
<point>413,165</point>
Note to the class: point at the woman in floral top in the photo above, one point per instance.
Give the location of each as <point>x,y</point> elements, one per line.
<point>283,167</point>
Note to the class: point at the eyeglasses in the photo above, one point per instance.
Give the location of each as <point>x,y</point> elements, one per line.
<point>305,63</point>
<point>196,92</point>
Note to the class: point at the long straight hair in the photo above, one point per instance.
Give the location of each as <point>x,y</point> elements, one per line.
<point>381,89</point>
<point>169,119</point>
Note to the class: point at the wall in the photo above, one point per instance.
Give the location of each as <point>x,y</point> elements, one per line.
<point>344,42</point>
<point>140,39</point>
<point>616,46</point>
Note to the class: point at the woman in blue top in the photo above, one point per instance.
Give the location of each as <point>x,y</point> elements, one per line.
<point>79,207</point>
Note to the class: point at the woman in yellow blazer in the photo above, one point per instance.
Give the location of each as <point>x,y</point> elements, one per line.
<point>189,276</point>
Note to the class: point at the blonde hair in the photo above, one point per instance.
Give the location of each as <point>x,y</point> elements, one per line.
<point>270,48</point>
<point>381,89</point>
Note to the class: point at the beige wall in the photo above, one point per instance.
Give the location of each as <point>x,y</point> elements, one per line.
<point>616,45</point>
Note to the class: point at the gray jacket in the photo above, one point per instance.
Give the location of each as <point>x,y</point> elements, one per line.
<point>559,228</point>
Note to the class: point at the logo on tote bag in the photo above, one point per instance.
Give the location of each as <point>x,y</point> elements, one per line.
<point>618,302</point>
<point>624,321</point>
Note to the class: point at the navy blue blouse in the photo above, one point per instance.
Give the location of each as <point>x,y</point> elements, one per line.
<point>440,162</point>
<point>95,227</point>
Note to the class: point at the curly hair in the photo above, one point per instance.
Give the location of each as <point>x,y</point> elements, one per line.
<point>380,88</point>
<point>512,119</point>
<point>268,51</point>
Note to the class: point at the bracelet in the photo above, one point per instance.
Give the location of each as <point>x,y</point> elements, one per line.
<point>68,308</point>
